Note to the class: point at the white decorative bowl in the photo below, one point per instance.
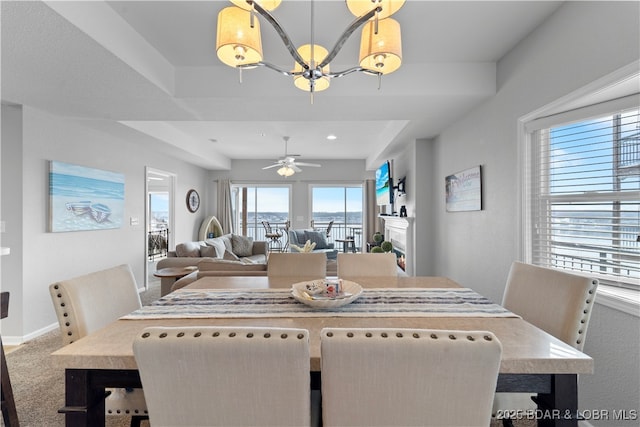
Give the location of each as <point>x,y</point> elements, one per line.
<point>350,292</point>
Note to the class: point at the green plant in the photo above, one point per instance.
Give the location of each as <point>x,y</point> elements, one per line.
<point>377,237</point>
<point>376,250</point>
<point>386,246</point>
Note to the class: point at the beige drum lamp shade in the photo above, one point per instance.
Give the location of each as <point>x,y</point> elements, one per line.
<point>265,4</point>
<point>360,7</point>
<point>237,43</point>
<point>319,53</point>
<point>381,52</point>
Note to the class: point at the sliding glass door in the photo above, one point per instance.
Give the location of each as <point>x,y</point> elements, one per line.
<point>340,204</point>
<point>254,204</point>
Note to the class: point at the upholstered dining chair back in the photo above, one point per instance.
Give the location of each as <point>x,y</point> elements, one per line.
<point>89,302</point>
<point>557,302</point>
<point>225,376</point>
<point>367,264</point>
<point>408,377</point>
<point>301,264</point>
<point>86,303</point>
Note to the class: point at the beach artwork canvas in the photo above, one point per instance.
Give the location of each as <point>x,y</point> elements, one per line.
<point>83,198</point>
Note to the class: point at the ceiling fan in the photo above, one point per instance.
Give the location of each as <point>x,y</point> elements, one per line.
<point>287,164</point>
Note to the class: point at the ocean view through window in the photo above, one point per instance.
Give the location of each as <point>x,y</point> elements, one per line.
<point>585,189</point>
<point>343,206</point>
<point>252,205</point>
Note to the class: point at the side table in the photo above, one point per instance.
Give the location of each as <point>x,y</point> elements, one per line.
<point>169,275</point>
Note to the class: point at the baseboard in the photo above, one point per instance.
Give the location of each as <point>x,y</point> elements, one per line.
<point>17,340</point>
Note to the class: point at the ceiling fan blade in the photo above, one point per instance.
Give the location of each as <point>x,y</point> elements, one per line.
<point>314,165</point>
<point>295,168</point>
<point>272,166</point>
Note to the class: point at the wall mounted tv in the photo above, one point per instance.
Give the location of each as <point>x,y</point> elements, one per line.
<point>384,185</point>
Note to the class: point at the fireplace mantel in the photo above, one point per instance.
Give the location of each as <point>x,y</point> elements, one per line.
<point>399,231</point>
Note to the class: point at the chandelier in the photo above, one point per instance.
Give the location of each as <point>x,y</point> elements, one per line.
<point>239,43</point>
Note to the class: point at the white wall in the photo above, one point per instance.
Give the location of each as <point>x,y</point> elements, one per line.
<point>579,44</point>
<point>48,257</point>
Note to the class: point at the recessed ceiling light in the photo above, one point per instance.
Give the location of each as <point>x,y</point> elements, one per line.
<point>332,137</point>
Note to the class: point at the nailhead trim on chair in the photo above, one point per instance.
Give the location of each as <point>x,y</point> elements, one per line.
<point>216,334</point>
<point>68,330</point>
<point>433,335</point>
<point>586,311</point>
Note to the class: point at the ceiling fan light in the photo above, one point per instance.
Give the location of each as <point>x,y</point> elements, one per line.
<point>285,171</point>
<point>360,7</point>
<point>266,4</point>
<point>381,52</point>
<point>237,43</point>
<point>319,53</point>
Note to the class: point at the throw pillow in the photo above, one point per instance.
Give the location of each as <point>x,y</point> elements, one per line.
<point>317,237</point>
<point>230,256</point>
<point>208,251</point>
<point>242,245</point>
<point>300,236</point>
<point>188,249</point>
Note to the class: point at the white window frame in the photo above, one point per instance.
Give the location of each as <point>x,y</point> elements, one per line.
<point>599,97</point>
<point>344,185</point>
<point>240,185</point>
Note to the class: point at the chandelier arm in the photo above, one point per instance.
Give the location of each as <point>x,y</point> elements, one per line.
<point>281,32</point>
<point>270,66</point>
<point>347,33</point>
<point>351,70</point>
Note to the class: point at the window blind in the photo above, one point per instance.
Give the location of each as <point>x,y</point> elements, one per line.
<point>585,197</point>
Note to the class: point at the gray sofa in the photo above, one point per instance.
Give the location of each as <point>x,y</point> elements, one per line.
<point>298,238</point>
<point>227,255</point>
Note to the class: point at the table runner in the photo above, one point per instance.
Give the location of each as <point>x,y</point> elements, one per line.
<point>378,302</point>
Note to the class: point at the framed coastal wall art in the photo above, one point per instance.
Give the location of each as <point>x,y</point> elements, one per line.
<point>83,198</point>
<point>464,190</point>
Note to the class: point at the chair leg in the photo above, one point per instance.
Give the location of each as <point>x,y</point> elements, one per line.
<point>507,422</point>
<point>9,412</point>
<point>137,419</point>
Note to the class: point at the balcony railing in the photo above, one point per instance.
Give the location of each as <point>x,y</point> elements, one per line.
<point>338,231</point>
<point>629,157</point>
<point>621,263</point>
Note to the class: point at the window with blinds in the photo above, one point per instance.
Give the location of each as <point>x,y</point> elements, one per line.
<point>585,197</point>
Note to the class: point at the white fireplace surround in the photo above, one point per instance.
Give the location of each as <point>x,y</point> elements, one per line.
<point>399,231</point>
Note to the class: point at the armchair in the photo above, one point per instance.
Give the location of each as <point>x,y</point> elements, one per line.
<point>297,239</point>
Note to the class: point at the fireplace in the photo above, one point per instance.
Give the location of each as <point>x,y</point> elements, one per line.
<point>399,231</point>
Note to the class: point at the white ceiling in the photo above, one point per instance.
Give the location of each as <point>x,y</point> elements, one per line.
<point>149,68</point>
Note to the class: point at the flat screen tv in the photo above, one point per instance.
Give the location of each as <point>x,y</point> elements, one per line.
<point>384,185</point>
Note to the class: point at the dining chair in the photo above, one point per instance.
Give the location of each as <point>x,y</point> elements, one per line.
<point>225,376</point>
<point>275,244</point>
<point>367,264</point>
<point>557,302</point>
<point>8,403</point>
<point>302,264</point>
<point>408,377</point>
<point>87,303</point>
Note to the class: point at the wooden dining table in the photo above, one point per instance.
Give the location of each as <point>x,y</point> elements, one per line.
<point>532,360</point>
